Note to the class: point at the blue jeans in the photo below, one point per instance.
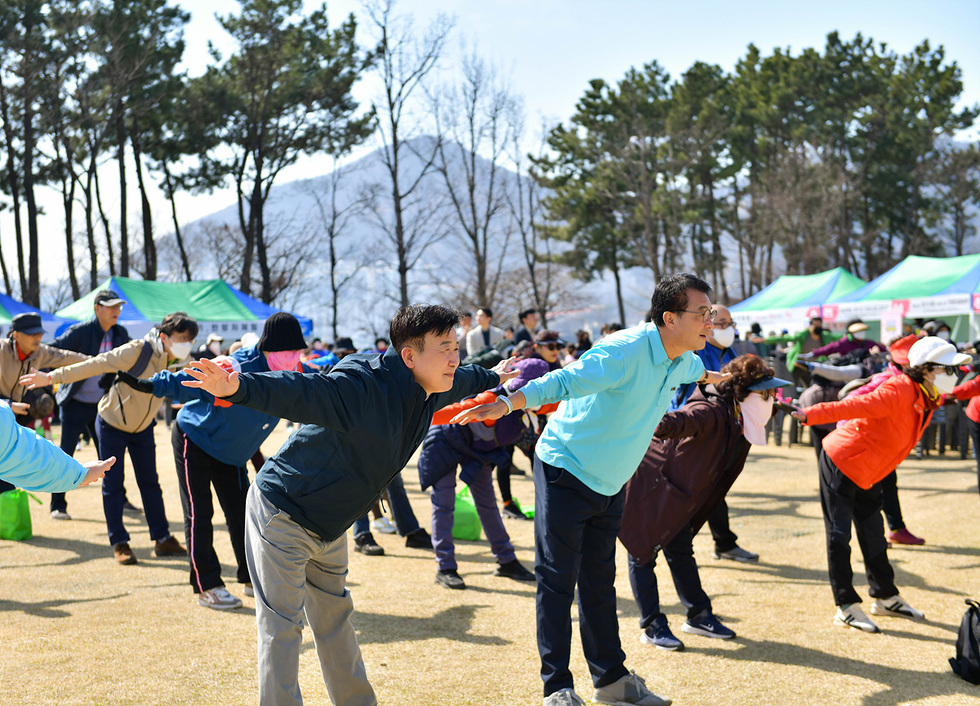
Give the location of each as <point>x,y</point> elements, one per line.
<point>575,530</point>
<point>142,452</point>
<point>401,511</point>
<point>679,553</point>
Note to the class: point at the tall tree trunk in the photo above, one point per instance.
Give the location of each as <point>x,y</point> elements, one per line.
<point>168,184</point>
<point>32,295</point>
<point>13,184</point>
<point>123,206</point>
<point>68,198</point>
<point>105,225</point>
<point>89,190</point>
<point>149,246</point>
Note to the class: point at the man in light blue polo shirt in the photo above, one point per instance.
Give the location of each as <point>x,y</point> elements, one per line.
<point>612,399</point>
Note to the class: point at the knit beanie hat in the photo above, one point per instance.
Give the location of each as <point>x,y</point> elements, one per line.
<point>281,333</point>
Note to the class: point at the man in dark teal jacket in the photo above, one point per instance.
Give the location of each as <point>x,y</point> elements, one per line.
<point>362,422</point>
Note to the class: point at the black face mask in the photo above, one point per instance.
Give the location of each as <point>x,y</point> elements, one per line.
<point>817,330</point>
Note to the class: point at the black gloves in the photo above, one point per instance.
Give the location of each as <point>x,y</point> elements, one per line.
<point>135,382</point>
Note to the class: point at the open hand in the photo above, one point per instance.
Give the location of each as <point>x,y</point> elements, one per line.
<point>97,469</point>
<point>35,378</point>
<point>715,377</point>
<point>211,377</point>
<point>503,369</point>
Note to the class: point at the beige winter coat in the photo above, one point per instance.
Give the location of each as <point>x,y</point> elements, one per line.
<point>122,407</point>
<point>12,367</point>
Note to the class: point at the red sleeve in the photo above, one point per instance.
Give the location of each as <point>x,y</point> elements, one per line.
<point>967,390</point>
<point>446,413</point>
<point>881,402</point>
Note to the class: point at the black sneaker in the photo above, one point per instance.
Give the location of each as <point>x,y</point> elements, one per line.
<point>419,539</point>
<point>365,544</point>
<point>707,624</point>
<point>514,570</point>
<point>512,512</point>
<point>450,579</point>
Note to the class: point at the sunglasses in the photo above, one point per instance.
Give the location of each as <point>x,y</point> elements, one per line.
<point>550,346</point>
<point>949,369</point>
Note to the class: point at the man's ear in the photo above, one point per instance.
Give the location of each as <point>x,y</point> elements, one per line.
<point>670,320</point>
<point>409,356</point>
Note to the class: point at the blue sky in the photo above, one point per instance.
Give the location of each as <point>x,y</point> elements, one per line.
<point>549,49</point>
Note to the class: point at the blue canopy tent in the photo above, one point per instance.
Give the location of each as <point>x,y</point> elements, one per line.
<point>53,325</point>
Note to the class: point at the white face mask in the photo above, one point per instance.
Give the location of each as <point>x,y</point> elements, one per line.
<point>755,415</point>
<point>180,349</point>
<point>860,335</point>
<point>945,383</point>
<point>943,335</point>
<point>724,337</point>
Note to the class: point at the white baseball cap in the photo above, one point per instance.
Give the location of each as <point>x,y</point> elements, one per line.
<point>933,349</point>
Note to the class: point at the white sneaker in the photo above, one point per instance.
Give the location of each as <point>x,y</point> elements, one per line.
<point>631,689</point>
<point>383,525</point>
<point>898,606</point>
<point>565,697</point>
<point>853,617</point>
<point>219,599</point>
<point>60,515</point>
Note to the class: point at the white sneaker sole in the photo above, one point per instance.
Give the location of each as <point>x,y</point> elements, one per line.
<point>219,606</point>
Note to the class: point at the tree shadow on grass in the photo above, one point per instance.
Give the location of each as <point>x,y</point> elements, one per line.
<point>901,685</point>
<point>453,623</point>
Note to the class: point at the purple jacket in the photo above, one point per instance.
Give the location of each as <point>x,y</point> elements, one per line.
<point>846,345</point>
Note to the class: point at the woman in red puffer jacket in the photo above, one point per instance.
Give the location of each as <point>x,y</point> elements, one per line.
<point>883,427</point>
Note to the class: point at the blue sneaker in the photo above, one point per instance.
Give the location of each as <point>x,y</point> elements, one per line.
<point>660,636</point>
<point>705,623</point>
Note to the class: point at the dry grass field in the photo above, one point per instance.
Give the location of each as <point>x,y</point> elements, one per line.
<point>75,628</point>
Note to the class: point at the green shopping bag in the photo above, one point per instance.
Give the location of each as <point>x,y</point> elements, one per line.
<point>15,515</point>
<point>466,521</point>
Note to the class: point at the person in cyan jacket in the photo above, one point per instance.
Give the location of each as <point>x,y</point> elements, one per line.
<point>697,453</point>
<point>883,427</point>
<point>212,442</point>
<point>362,421</point>
<point>27,461</point>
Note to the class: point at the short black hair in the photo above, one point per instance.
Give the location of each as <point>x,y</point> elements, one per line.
<point>527,312</point>
<point>670,294</point>
<point>412,323</point>
<point>816,318</point>
<point>486,311</point>
<point>178,322</point>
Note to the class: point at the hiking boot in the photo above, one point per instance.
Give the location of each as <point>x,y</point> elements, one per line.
<point>901,536</point>
<point>123,553</point>
<point>565,697</point>
<point>169,547</point>
<point>60,515</point>
<point>419,539</point>
<point>383,525</point>
<point>659,635</point>
<point>896,606</point>
<point>365,544</point>
<point>218,598</point>
<point>631,689</point>
<point>852,616</point>
<point>512,511</point>
<point>514,570</point>
<point>450,579</point>
<point>707,624</point>
<point>736,554</point>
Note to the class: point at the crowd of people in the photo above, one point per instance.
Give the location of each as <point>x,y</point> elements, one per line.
<point>636,437</point>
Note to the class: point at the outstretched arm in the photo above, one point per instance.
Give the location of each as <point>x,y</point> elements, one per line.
<point>211,378</point>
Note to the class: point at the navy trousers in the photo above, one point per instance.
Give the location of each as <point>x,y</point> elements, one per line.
<point>76,417</point>
<point>575,530</point>
<point>679,553</point>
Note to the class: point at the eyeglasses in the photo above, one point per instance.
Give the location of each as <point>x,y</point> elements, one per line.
<point>949,369</point>
<point>723,324</point>
<point>705,314</point>
<point>550,346</point>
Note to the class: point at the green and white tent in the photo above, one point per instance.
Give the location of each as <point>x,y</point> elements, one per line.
<point>217,306</point>
<point>790,301</point>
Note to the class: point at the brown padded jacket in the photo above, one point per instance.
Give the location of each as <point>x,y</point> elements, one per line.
<point>12,367</point>
<point>696,454</point>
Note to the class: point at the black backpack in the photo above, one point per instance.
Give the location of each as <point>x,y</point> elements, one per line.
<point>967,662</point>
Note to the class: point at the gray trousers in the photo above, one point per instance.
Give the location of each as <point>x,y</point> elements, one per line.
<point>294,574</point>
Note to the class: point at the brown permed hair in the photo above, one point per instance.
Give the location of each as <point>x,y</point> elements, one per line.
<point>746,370</point>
